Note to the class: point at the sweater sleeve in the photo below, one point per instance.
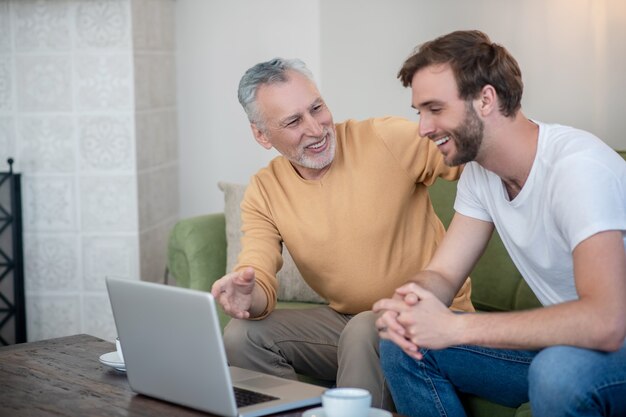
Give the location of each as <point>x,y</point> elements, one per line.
<point>418,156</point>
<point>261,244</point>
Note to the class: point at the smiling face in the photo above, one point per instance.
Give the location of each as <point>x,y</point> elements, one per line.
<point>452,123</point>
<point>297,123</point>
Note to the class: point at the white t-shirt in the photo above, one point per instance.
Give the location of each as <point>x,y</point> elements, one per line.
<point>576,188</point>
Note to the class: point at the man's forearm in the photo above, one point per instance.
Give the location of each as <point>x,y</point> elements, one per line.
<point>573,323</point>
<point>437,284</point>
<point>259,302</point>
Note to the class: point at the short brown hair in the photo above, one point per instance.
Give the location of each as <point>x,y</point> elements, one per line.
<point>475,62</point>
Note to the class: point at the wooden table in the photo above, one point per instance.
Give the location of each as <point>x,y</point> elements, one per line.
<point>63,377</point>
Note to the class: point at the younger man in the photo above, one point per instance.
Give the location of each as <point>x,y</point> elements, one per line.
<point>557,197</point>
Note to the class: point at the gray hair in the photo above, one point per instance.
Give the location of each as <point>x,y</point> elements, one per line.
<point>270,72</point>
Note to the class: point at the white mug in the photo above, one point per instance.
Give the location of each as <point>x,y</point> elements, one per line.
<point>346,402</point>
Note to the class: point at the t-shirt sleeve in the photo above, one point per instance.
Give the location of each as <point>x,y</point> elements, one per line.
<point>471,193</point>
<point>587,198</point>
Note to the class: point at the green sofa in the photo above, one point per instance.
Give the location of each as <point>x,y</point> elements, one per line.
<point>197,257</point>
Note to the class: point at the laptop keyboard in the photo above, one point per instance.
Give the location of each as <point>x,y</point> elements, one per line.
<point>245,397</point>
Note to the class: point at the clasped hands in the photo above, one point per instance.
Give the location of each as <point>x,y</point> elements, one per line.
<point>415,318</point>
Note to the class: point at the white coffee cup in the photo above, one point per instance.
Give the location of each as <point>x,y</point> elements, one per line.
<point>118,347</point>
<point>346,402</point>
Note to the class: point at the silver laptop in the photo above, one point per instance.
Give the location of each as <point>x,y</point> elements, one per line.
<point>173,350</point>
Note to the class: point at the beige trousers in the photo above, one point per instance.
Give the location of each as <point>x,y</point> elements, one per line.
<point>317,342</point>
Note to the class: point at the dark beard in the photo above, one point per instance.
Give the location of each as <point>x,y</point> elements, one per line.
<point>468,137</point>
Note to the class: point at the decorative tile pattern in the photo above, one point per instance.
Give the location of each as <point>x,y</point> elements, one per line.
<point>47,144</point>
<point>52,263</point>
<point>98,317</point>
<point>5,83</point>
<point>44,83</point>
<point>108,256</point>
<point>103,24</point>
<point>51,316</point>
<point>41,24</point>
<point>5,26</point>
<point>49,203</point>
<point>72,75</point>
<point>106,143</point>
<point>108,204</point>
<point>104,82</point>
<point>7,142</point>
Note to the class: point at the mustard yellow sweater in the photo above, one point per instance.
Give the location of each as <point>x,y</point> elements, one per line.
<point>362,230</point>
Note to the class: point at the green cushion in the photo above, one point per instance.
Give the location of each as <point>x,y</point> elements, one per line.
<point>197,251</point>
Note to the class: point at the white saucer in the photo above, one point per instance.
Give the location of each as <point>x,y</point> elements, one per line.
<point>319,412</point>
<point>112,359</point>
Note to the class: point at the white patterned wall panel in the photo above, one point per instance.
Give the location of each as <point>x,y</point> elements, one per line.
<point>98,317</point>
<point>108,256</point>
<point>72,75</point>
<point>42,25</point>
<point>7,141</point>
<point>108,204</point>
<point>6,83</point>
<point>5,26</point>
<point>52,262</point>
<point>49,203</point>
<point>44,83</point>
<point>104,82</point>
<point>106,143</point>
<point>46,144</point>
<point>52,316</point>
<point>103,24</point>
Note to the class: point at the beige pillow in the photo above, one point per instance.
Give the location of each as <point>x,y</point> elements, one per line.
<point>292,286</point>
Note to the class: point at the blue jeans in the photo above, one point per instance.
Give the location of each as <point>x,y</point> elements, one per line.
<point>558,381</point>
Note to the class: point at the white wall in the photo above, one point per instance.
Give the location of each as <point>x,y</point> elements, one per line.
<point>572,54</point>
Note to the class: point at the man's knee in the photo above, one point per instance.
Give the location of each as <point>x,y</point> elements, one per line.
<point>241,336</point>
<point>360,331</point>
<point>556,373</point>
<point>235,334</point>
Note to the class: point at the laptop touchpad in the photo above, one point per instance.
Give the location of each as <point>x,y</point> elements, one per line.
<point>263,382</point>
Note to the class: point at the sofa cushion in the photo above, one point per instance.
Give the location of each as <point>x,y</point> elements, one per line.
<point>292,286</point>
